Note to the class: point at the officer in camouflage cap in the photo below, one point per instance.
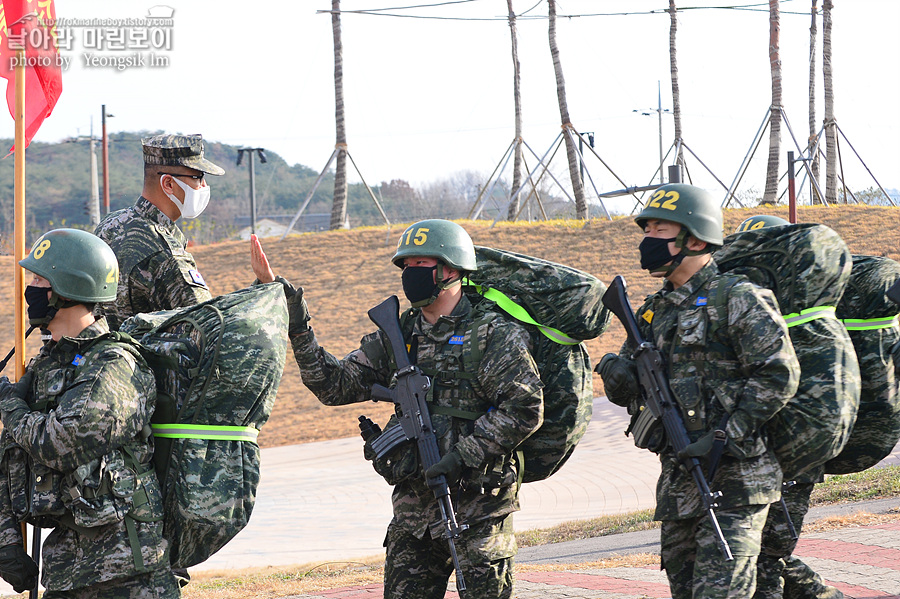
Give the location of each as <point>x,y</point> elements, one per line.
<point>731,367</point>
<point>75,447</point>
<point>504,397</point>
<point>158,273</point>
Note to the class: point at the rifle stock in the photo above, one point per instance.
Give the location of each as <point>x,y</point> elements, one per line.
<point>408,395</point>
<point>660,401</point>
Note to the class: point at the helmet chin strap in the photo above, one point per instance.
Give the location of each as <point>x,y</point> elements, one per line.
<point>681,244</point>
<point>442,284</point>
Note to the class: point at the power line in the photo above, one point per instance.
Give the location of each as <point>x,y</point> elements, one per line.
<point>379,12</point>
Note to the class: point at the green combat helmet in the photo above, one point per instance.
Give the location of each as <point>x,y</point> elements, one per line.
<point>692,207</point>
<point>79,265</point>
<point>436,238</point>
<point>760,221</point>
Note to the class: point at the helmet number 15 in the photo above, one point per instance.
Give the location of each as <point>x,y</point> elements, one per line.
<point>420,237</point>
<point>671,198</point>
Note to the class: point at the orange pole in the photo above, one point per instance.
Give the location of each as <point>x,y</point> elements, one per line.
<point>19,250</point>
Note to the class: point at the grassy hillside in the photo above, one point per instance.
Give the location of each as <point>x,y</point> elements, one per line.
<point>344,273</point>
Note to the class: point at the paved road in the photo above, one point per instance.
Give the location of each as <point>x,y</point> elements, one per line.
<point>322,502</point>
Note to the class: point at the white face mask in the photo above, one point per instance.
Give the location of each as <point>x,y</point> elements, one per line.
<point>195,200</point>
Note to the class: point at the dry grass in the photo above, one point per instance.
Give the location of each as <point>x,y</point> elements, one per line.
<point>346,272</point>
<point>587,529</point>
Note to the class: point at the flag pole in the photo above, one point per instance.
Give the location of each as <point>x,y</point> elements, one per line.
<point>20,215</point>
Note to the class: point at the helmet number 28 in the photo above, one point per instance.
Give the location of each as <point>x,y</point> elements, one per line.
<point>420,238</point>
<point>671,198</point>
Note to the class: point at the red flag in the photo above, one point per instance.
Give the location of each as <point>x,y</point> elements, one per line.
<point>31,25</point>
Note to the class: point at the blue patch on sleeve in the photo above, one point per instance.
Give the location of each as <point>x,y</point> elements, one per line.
<point>456,340</point>
<point>196,277</point>
<point>701,301</point>
<point>78,361</point>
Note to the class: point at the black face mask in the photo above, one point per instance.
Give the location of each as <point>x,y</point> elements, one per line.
<point>419,285</point>
<point>655,252</point>
<point>39,310</point>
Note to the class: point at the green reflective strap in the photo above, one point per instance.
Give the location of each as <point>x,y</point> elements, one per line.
<point>205,431</point>
<point>870,324</point>
<point>809,314</point>
<point>520,313</point>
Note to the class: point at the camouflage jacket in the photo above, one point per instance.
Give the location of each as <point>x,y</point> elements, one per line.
<point>155,270</point>
<point>75,458</point>
<point>506,392</point>
<point>737,365</point>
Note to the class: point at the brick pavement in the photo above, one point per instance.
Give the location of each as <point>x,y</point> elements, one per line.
<point>863,562</point>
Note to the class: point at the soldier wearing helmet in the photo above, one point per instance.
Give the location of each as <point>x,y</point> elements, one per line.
<point>731,368</point>
<point>478,417</point>
<point>75,454</point>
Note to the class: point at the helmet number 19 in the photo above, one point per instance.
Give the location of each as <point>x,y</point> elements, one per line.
<point>657,200</point>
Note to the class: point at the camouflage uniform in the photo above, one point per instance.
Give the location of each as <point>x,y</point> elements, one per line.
<point>729,358</point>
<point>155,270</point>
<point>78,461</point>
<point>506,391</point>
<point>807,266</point>
<point>872,326</point>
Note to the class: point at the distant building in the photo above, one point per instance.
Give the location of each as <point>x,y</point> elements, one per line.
<point>272,225</point>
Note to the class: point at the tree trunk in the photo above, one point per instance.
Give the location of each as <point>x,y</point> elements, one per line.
<point>517,159</point>
<point>339,206</point>
<point>574,175</point>
<point>770,195</point>
<point>673,67</point>
<point>814,162</point>
<point>831,165</point>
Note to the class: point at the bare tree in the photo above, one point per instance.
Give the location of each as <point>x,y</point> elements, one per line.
<point>574,175</point>
<point>673,67</point>
<point>831,166</point>
<point>517,160</point>
<point>339,206</point>
<point>814,163</point>
<point>771,192</point>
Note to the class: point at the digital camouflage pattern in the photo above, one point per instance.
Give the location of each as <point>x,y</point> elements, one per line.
<point>871,320</point>
<point>693,561</point>
<point>156,272</point>
<point>509,397</point>
<point>570,301</point>
<point>729,361</point>
<point>801,582</point>
<point>777,541</point>
<point>419,568</point>
<point>230,354</point>
<point>178,150</point>
<point>66,467</point>
<point>807,267</point>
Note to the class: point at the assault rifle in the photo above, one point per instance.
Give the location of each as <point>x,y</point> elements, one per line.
<point>660,401</point>
<point>408,395</point>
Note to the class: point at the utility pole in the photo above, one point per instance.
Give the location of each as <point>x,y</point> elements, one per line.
<point>105,162</point>
<point>262,160</point>
<point>94,205</point>
<point>659,111</point>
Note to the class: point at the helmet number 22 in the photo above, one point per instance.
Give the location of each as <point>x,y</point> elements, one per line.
<point>657,200</point>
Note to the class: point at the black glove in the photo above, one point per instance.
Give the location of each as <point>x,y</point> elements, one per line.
<point>699,448</point>
<point>619,379</point>
<point>450,466</point>
<point>11,394</point>
<point>298,312</point>
<point>17,568</point>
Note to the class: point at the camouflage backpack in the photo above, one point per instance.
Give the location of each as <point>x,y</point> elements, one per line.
<point>871,320</point>
<point>217,366</point>
<point>561,307</point>
<point>807,267</point>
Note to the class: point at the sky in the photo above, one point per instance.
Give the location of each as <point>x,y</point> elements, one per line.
<point>428,97</point>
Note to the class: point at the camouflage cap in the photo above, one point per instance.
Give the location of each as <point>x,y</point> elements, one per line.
<point>179,150</point>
